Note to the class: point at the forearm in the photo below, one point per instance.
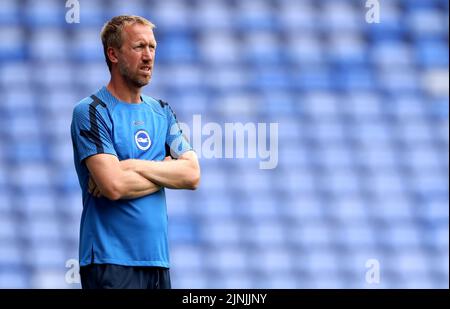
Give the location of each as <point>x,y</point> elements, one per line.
<point>174,174</point>
<point>127,185</point>
<point>109,178</point>
<point>134,186</point>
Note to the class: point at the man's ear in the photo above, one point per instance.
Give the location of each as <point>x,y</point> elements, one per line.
<point>112,54</point>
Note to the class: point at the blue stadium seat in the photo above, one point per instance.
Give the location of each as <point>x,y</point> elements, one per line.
<point>48,277</point>
<point>190,279</point>
<point>314,235</point>
<point>349,208</point>
<point>46,13</point>
<point>7,228</point>
<point>228,259</point>
<point>187,258</point>
<point>41,230</point>
<point>261,48</point>
<point>48,256</point>
<point>391,24</point>
<point>413,262</point>
<point>347,50</point>
<point>295,15</point>
<point>392,54</point>
<point>6,206</point>
<point>213,205</point>
<point>13,44</point>
<point>172,16</point>
<point>265,232</point>
<point>92,15</point>
<point>184,230</point>
<point>305,49</point>
<point>236,280</point>
<point>177,48</point>
<point>219,48</point>
<point>269,262</point>
<point>91,76</point>
<point>69,206</point>
<point>223,232</point>
<point>11,254</point>
<point>23,99</point>
<point>254,16</point>
<point>358,234</point>
<point>138,7</point>
<point>308,208</point>
<point>427,23</point>
<point>339,16</point>
<point>37,202</point>
<point>213,15</point>
<point>18,127</point>
<point>9,13</point>
<point>85,47</point>
<point>431,54</point>
<point>299,180</point>
<point>322,261</point>
<point>48,44</point>
<point>15,74</point>
<point>403,235</point>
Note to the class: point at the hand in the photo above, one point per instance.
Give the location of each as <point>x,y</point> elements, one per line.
<point>93,188</point>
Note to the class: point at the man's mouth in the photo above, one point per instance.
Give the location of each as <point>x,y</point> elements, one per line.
<point>146,69</point>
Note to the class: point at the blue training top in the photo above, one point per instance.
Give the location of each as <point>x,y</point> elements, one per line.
<point>125,232</point>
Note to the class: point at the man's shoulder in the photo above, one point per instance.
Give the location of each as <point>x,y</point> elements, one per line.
<point>82,106</point>
<point>156,104</point>
<point>83,110</point>
<point>150,100</point>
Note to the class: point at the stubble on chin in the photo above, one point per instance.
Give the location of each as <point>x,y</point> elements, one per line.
<point>133,79</point>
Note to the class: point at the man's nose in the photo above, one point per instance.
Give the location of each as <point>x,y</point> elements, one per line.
<point>147,54</point>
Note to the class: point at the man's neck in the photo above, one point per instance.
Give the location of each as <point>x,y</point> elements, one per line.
<point>123,91</point>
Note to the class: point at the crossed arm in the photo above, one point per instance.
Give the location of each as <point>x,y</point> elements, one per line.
<point>133,178</point>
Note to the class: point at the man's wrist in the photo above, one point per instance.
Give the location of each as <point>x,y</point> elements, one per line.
<point>128,165</point>
<point>136,165</point>
<point>141,166</point>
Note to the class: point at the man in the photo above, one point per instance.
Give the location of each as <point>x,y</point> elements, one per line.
<point>120,140</point>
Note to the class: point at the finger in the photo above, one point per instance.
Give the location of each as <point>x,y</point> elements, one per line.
<point>99,194</point>
<point>96,192</point>
<point>168,158</point>
<point>90,185</point>
<point>93,185</point>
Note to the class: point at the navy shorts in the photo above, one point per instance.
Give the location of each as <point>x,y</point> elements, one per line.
<point>110,276</point>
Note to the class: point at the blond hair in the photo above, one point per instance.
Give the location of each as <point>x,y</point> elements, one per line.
<point>111,33</point>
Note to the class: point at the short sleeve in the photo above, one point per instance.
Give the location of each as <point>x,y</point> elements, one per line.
<point>176,141</point>
<point>91,130</point>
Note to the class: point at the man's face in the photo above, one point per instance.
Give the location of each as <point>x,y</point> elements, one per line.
<point>137,54</point>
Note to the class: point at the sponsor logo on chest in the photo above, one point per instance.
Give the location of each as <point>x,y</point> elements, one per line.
<point>142,140</point>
